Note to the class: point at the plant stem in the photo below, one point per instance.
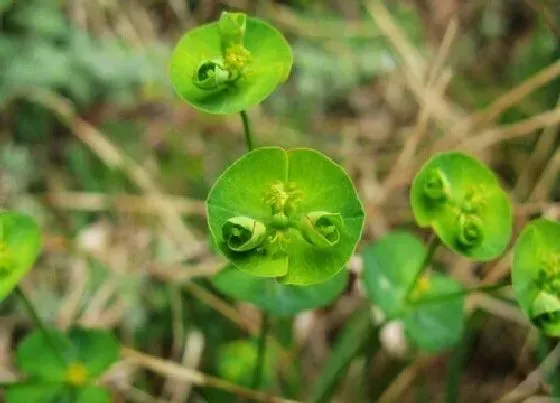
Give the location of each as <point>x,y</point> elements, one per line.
<point>487,288</point>
<point>261,352</point>
<point>434,243</point>
<point>247,130</point>
<point>28,305</point>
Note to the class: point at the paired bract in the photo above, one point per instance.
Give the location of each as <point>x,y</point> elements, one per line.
<point>230,65</point>
<point>536,274</point>
<point>461,199</point>
<point>289,214</point>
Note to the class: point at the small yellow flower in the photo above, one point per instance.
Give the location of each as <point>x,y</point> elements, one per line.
<point>76,374</point>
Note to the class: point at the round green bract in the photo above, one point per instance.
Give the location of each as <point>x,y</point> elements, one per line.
<point>270,65</point>
<point>277,298</point>
<point>20,244</point>
<point>464,174</point>
<point>390,267</point>
<point>537,252</point>
<point>315,184</point>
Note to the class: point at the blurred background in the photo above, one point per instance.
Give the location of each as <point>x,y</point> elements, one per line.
<point>96,146</point>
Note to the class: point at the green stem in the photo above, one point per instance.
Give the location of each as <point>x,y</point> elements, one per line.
<point>261,352</point>
<point>487,288</point>
<point>28,305</point>
<point>434,243</point>
<point>247,130</point>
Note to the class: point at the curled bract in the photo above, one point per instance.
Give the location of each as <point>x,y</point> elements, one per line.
<point>545,312</point>
<point>471,231</point>
<point>321,228</point>
<point>436,186</point>
<point>211,75</point>
<point>242,234</point>
<point>231,27</point>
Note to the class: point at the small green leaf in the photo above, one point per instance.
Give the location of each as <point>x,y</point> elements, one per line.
<point>535,274</point>
<point>391,266</point>
<point>437,325</point>
<point>35,357</point>
<point>308,205</point>
<point>33,392</point>
<point>20,244</point>
<point>461,199</point>
<point>93,394</point>
<point>277,298</point>
<point>255,55</point>
<point>97,350</point>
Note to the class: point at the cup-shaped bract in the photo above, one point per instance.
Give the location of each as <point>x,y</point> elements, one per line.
<point>242,234</point>
<point>230,65</point>
<point>535,274</point>
<point>461,199</point>
<point>390,275</point>
<point>20,244</point>
<point>306,202</point>
<point>321,228</point>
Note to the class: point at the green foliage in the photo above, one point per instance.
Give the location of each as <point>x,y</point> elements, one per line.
<point>304,202</point>
<point>230,65</point>
<point>535,274</point>
<point>86,353</point>
<point>391,279</point>
<point>277,298</point>
<point>40,49</point>
<point>20,244</point>
<point>238,360</point>
<point>355,334</point>
<point>461,199</point>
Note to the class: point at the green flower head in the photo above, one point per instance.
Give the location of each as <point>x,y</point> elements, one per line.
<point>230,65</point>
<point>292,215</point>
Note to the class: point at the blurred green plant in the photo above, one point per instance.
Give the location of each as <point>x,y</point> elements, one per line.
<point>86,355</point>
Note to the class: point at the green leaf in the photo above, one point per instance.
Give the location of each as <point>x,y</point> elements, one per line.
<point>391,265</point>
<point>33,392</point>
<point>266,62</point>
<point>358,331</point>
<point>88,353</point>
<point>37,392</point>
<point>93,394</point>
<point>277,298</point>
<point>35,357</point>
<point>289,192</point>
<point>461,199</point>
<point>535,274</point>
<point>437,325</point>
<point>97,350</point>
<point>237,362</point>
<point>20,244</point>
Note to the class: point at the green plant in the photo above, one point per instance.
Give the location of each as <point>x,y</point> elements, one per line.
<point>461,200</point>
<point>56,366</point>
<point>536,274</point>
<point>287,220</point>
<point>63,367</point>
